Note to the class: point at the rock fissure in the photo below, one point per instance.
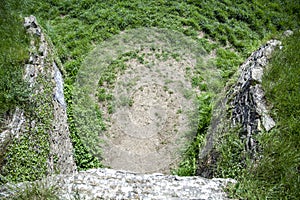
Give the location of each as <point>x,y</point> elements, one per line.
<point>249,108</point>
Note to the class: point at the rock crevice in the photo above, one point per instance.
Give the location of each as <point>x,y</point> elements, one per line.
<point>249,107</point>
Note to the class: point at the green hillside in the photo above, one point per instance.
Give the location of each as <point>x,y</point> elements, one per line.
<point>231,29</point>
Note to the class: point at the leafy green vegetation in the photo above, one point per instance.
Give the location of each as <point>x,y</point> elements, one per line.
<point>278,171</point>
<point>26,157</point>
<point>188,165</point>
<point>83,157</point>
<point>77,26</point>
<point>21,158</point>
<point>109,75</point>
<point>233,156</point>
<point>227,61</point>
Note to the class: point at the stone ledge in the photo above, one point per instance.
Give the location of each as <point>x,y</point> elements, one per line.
<point>113,184</point>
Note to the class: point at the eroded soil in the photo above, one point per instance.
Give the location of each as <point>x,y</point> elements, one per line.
<point>150,124</point>
<point>146,113</point>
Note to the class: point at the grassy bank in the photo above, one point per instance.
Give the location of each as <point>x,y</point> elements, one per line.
<point>229,29</point>
<point>14,53</point>
<point>237,28</point>
<point>23,158</point>
<point>275,175</point>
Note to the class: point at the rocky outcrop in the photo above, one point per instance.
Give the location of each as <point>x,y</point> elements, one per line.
<point>42,55</point>
<point>244,106</point>
<point>45,80</point>
<point>112,184</point>
<point>249,108</point>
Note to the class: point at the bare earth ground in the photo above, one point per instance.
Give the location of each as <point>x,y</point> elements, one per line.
<point>151,117</point>
<point>150,124</point>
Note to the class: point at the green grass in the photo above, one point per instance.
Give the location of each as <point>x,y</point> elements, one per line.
<point>189,163</point>
<point>276,174</point>
<point>35,191</point>
<point>278,171</point>
<point>77,26</point>
<point>26,156</point>
<point>234,158</point>
<point>14,53</point>
<point>19,159</point>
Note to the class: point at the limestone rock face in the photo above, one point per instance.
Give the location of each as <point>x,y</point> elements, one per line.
<point>249,108</point>
<point>44,77</point>
<point>112,184</point>
<point>244,105</point>
<point>42,64</point>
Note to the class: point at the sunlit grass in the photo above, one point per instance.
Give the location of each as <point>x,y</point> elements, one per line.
<point>275,174</point>
<point>232,28</point>
<point>13,54</point>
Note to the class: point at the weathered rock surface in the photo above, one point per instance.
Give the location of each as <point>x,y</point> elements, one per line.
<point>43,66</point>
<point>112,184</point>
<point>61,150</point>
<point>249,108</point>
<point>244,105</point>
